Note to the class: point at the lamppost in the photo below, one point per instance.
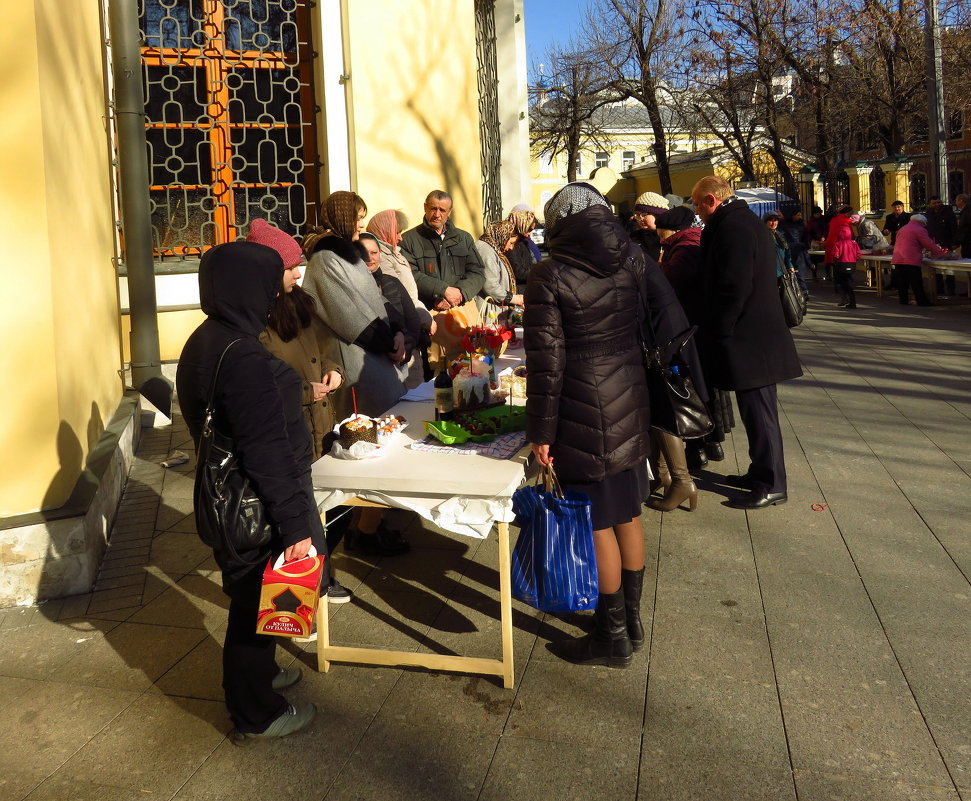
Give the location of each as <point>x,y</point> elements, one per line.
<point>937,137</point>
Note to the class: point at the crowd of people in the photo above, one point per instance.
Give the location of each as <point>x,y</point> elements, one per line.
<point>357,333</point>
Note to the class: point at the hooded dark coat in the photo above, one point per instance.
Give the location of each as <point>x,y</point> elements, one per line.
<point>586,391</point>
<point>258,400</point>
<point>746,341</point>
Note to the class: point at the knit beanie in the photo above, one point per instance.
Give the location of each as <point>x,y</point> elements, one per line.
<point>677,219</point>
<point>263,233</point>
<point>919,218</point>
<point>651,203</point>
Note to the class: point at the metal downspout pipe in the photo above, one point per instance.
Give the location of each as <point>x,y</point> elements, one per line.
<point>129,112</point>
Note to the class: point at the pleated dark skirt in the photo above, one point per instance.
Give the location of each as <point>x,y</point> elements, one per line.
<point>616,499</point>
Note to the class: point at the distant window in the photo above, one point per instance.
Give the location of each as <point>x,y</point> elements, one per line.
<point>546,164</point>
<point>628,157</point>
<point>579,164</point>
<point>601,159</point>
<point>955,124</point>
<point>955,184</point>
<point>918,190</point>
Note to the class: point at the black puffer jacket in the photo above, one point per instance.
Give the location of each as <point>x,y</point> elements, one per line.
<point>258,400</point>
<point>586,393</point>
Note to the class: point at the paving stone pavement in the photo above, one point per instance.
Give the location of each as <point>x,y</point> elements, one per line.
<point>817,651</point>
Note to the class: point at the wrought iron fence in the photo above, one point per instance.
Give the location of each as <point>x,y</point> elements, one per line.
<point>836,189</point>
<point>230,118</point>
<point>489,134</point>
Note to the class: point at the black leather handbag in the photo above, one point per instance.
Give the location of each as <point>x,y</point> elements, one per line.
<point>676,407</point>
<point>229,516</point>
<point>793,300</point>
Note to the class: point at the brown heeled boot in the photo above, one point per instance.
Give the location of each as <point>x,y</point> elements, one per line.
<point>682,485</point>
<point>663,479</point>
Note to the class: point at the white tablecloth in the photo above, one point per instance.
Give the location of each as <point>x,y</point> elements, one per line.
<point>462,494</point>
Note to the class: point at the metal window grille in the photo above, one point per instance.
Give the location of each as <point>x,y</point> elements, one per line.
<point>489,135</point>
<point>836,189</point>
<point>878,188</point>
<point>230,114</point>
<point>918,190</point>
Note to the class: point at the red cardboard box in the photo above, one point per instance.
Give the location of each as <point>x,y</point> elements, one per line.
<point>288,600</point>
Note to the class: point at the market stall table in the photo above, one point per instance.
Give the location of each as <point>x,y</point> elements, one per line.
<point>462,494</point>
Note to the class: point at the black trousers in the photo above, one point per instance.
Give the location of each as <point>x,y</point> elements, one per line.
<point>249,662</point>
<point>249,659</point>
<point>759,410</point>
<point>843,275</point>
<point>907,276</point>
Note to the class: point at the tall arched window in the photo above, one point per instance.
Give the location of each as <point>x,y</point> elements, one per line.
<point>230,116</point>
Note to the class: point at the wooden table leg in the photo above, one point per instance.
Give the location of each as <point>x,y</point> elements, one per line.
<point>323,632</point>
<point>505,606</point>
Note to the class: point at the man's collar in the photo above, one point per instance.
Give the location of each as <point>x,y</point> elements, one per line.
<point>432,230</point>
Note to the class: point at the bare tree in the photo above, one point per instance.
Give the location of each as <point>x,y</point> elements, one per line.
<point>566,113</point>
<point>638,46</point>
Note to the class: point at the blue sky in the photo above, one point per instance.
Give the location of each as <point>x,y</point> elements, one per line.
<point>549,21</point>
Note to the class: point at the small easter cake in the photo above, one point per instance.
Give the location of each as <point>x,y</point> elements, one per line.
<point>359,428</point>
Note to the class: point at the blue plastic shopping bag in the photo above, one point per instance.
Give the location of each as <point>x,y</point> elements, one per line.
<point>554,567</point>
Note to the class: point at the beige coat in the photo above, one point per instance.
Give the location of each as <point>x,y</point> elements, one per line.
<point>312,354</point>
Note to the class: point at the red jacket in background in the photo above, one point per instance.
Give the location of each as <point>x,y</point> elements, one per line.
<point>832,236</point>
<point>845,248</point>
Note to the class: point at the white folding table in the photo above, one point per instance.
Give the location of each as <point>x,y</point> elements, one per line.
<point>460,493</point>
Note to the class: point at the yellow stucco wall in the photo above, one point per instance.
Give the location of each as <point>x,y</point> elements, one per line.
<point>416,116</point>
<point>174,328</point>
<point>60,321</point>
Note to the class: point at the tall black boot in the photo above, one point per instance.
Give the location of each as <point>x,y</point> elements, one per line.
<point>609,644</point>
<point>632,582</point>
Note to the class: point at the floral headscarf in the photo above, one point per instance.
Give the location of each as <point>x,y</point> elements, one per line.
<point>338,217</point>
<point>496,235</point>
<point>523,220</point>
<point>384,225</point>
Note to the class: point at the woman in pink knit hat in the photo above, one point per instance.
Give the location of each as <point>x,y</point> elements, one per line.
<point>295,335</point>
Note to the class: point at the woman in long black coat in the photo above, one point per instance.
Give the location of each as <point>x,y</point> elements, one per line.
<point>587,407</point>
<point>258,405</point>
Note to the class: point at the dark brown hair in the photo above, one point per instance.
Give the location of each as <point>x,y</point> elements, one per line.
<point>291,313</point>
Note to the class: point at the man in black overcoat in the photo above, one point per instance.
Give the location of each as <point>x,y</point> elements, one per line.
<point>745,331</point>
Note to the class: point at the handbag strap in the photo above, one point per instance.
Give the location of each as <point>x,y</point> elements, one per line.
<point>210,402</point>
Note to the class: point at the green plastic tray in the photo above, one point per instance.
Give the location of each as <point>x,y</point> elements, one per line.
<point>504,418</point>
<point>450,433</point>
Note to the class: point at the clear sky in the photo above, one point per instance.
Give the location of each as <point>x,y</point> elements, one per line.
<point>549,21</point>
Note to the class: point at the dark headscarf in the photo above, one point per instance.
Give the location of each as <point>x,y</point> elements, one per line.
<point>338,217</point>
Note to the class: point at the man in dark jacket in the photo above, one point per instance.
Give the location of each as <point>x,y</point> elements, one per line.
<point>964,225</point>
<point>896,219</point>
<point>745,331</point>
<point>446,265</point>
<point>942,226</point>
<point>258,405</point>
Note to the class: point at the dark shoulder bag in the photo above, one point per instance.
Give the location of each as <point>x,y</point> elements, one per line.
<point>229,516</point>
<point>676,407</point>
<point>793,301</point>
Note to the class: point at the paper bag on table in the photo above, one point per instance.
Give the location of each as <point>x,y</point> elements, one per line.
<point>288,599</point>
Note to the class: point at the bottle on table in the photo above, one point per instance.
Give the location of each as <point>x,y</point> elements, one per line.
<point>444,401</point>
